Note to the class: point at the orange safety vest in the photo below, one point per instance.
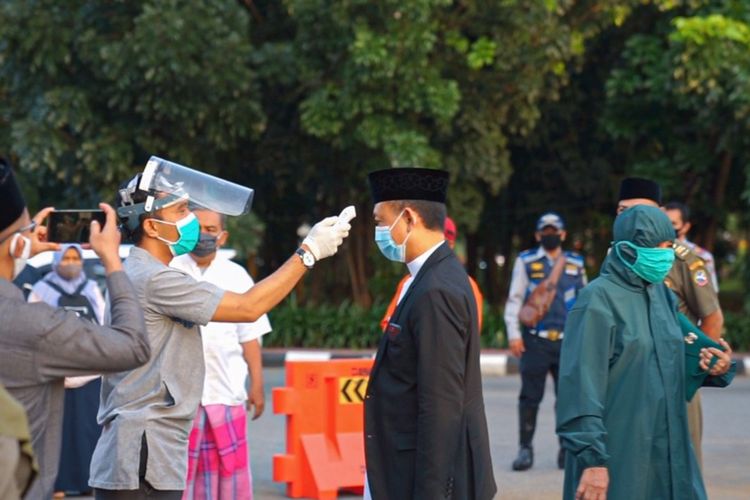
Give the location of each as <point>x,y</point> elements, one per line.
<point>394,301</point>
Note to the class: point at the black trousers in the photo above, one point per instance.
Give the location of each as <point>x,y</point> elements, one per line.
<point>145,490</point>
<point>541,356</point>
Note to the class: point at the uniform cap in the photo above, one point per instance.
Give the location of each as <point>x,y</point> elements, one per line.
<point>408,184</point>
<point>550,219</point>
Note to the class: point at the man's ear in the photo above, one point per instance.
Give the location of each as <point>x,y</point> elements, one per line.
<point>538,236</point>
<point>223,236</point>
<point>411,216</point>
<point>687,226</point>
<point>563,235</point>
<point>150,227</point>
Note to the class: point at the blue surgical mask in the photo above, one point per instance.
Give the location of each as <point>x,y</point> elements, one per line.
<point>651,264</point>
<point>386,245</point>
<point>188,229</point>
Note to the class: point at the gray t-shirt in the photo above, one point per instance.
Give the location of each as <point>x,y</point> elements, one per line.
<point>161,397</point>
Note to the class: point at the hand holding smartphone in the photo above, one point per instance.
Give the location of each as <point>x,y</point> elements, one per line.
<point>72,226</point>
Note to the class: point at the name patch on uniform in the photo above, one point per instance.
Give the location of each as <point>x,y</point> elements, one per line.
<point>571,270</point>
<point>392,330</point>
<point>537,266</point>
<point>537,276</point>
<point>700,277</point>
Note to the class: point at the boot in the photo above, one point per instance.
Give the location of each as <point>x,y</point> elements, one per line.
<point>527,425</point>
<point>525,458</point>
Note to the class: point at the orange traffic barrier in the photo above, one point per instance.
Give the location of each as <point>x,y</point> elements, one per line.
<point>323,401</point>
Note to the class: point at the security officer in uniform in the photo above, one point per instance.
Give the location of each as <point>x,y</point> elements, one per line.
<point>539,347</point>
<point>690,280</point>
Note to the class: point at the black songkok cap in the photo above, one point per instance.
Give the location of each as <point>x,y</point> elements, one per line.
<point>408,184</point>
<point>637,187</point>
<point>11,199</point>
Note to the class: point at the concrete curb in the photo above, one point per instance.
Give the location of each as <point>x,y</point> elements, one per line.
<point>491,362</point>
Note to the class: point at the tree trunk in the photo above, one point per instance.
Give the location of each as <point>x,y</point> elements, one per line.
<point>719,192</point>
<point>359,242</point>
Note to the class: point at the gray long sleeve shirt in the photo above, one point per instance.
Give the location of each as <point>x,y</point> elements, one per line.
<point>40,345</point>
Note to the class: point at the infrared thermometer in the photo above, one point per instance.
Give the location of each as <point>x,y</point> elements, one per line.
<point>347,215</point>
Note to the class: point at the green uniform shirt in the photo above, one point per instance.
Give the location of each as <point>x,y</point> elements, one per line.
<point>13,424</point>
<point>690,280</point>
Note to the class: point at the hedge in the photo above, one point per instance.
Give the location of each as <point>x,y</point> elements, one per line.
<point>348,326</point>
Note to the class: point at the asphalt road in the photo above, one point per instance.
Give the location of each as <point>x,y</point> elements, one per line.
<point>726,442</point>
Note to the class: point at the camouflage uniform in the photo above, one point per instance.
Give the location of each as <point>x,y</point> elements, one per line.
<point>690,280</point>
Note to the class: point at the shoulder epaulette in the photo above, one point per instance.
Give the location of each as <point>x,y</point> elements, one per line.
<point>574,258</point>
<point>682,251</point>
<point>529,255</point>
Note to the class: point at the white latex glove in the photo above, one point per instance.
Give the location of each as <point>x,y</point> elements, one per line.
<point>326,236</point>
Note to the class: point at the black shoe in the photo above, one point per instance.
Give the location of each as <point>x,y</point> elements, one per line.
<point>561,459</point>
<point>525,458</point>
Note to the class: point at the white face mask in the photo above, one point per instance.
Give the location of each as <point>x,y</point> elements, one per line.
<point>19,262</point>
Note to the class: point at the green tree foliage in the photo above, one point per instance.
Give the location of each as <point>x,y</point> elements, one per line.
<point>93,88</point>
<point>529,104</point>
<point>680,101</point>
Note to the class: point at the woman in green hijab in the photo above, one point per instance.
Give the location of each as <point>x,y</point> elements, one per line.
<point>621,411</point>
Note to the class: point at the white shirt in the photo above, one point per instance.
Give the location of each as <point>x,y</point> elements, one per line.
<point>414,266</point>
<point>226,370</point>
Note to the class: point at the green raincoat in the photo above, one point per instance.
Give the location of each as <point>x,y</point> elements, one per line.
<point>621,394</point>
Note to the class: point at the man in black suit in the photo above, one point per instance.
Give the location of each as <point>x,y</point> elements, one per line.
<point>425,427</point>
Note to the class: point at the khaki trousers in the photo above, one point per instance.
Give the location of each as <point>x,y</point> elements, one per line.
<point>695,425</point>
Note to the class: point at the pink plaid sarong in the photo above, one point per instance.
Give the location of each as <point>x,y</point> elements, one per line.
<point>218,459</point>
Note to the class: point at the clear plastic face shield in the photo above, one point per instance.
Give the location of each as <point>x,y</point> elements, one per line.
<point>167,183</point>
<point>203,190</point>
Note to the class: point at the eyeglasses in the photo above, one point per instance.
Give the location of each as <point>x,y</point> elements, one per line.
<point>31,227</point>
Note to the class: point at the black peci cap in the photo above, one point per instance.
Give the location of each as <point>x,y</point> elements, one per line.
<point>637,187</point>
<point>408,184</point>
<point>12,203</point>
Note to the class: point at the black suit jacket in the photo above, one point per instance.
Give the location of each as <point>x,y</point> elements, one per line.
<point>425,427</point>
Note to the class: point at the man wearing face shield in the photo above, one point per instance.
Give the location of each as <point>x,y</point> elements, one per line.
<point>147,413</point>
<point>218,464</point>
<point>621,411</point>
<point>425,425</point>
<point>538,345</point>
<point>41,344</point>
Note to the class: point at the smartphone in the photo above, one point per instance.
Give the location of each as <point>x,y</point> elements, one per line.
<point>72,226</point>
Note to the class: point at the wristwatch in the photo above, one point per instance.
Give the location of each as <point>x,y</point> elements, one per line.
<point>308,259</point>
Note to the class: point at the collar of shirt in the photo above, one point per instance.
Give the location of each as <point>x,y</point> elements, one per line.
<point>416,264</point>
<point>186,264</point>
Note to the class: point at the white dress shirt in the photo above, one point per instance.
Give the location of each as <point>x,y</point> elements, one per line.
<point>226,370</point>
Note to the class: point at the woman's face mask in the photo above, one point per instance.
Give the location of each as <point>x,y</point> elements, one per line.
<point>69,272</point>
<point>188,230</point>
<point>651,264</point>
<point>386,245</point>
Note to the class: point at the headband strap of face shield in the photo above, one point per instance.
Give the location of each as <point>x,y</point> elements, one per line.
<point>130,211</point>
